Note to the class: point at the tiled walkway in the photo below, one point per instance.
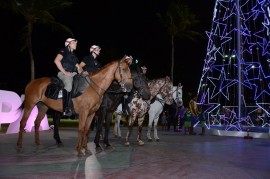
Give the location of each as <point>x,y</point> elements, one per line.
<point>175,156</point>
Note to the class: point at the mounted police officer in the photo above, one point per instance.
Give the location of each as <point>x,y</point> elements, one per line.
<point>67,64</point>
<point>90,63</point>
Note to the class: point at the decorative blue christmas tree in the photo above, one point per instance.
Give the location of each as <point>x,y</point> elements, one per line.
<point>234,90</point>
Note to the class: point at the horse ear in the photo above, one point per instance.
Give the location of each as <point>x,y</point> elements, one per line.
<point>124,57</point>
<point>128,59</point>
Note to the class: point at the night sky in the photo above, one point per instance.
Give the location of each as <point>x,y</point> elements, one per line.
<point>119,28</point>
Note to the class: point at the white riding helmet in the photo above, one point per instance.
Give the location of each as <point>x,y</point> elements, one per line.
<point>93,47</point>
<point>69,40</point>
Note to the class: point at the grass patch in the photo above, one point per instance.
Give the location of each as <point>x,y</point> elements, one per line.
<point>4,128</point>
<point>73,123</point>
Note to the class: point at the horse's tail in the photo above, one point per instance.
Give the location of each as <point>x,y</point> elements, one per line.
<point>21,107</point>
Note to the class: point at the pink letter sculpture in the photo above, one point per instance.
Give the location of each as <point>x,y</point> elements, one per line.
<point>9,103</point>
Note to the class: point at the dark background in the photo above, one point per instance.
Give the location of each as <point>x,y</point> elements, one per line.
<point>119,28</point>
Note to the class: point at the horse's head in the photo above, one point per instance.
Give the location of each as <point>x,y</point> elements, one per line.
<point>177,94</point>
<point>166,90</point>
<point>164,87</point>
<point>140,82</point>
<point>123,74</point>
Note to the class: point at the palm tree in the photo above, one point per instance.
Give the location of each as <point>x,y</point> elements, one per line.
<point>178,20</point>
<point>34,12</point>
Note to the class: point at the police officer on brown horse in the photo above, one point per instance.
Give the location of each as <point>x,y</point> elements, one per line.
<point>90,62</point>
<point>67,64</point>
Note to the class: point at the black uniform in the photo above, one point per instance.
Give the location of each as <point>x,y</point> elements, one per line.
<point>91,64</point>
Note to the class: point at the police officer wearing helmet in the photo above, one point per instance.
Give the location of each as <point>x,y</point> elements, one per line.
<point>67,64</point>
<point>90,63</point>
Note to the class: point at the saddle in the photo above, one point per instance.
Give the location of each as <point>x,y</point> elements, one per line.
<point>80,83</point>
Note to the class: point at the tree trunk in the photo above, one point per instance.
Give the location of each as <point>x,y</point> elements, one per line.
<point>30,51</point>
<point>172,65</point>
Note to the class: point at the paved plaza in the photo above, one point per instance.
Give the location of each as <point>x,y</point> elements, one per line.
<point>175,156</point>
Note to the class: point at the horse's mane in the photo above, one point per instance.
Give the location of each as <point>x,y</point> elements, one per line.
<point>158,79</point>
<point>105,66</point>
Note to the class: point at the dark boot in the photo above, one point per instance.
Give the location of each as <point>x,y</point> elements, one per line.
<point>67,111</point>
<point>203,131</point>
<point>191,131</point>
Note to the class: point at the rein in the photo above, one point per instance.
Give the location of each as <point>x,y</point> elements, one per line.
<point>161,101</point>
<point>121,76</point>
<point>93,82</point>
<point>162,87</point>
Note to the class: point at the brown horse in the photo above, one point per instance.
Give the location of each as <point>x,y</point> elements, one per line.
<point>85,105</point>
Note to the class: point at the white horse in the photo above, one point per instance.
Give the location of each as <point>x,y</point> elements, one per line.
<point>156,109</point>
<point>117,130</point>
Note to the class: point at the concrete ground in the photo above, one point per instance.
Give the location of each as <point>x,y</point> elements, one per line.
<point>175,156</point>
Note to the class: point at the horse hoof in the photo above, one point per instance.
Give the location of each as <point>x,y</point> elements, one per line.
<point>58,141</point>
<point>127,144</point>
<point>108,146</point>
<point>80,155</point>
<point>157,140</point>
<point>98,149</point>
<point>88,152</point>
<point>141,143</point>
<point>19,150</point>
<point>59,144</point>
<point>150,140</point>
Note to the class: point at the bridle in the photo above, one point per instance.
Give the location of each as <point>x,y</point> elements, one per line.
<point>122,81</point>
<point>163,96</point>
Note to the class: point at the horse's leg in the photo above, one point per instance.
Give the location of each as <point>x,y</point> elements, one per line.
<point>87,133</point>
<point>149,128</point>
<point>139,138</point>
<point>26,113</point>
<point>155,129</point>
<point>56,122</point>
<point>42,109</point>
<point>99,121</point>
<point>107,129</point>
<point>81,133</point>
<point>115,129</point>
<point>130,125</point>
<point>118,126</point>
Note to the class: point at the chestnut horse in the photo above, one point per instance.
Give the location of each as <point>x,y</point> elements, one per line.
<point>85,105</point>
